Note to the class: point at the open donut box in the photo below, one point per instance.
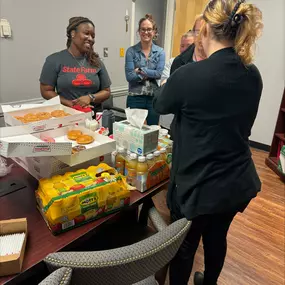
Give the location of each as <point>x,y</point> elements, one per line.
<point>52,123</point>
<point>17,142</point>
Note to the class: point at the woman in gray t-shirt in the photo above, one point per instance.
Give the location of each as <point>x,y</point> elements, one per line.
<point>76,74</point>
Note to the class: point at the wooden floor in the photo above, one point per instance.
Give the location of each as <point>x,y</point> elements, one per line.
<point>256,238</point>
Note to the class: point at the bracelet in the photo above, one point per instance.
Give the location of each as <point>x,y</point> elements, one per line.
<point>92,97</point>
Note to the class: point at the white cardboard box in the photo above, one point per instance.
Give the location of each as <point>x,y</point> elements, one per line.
<point>17,141</point>
<point>102,145</point>
<point>140,141</point>
<point>30,145</point>
<point>46,167</point>
<point>75,117</point>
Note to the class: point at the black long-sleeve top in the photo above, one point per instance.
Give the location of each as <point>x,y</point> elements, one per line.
<point>215,102</point>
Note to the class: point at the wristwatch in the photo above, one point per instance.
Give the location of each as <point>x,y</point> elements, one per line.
<point>92,97</point>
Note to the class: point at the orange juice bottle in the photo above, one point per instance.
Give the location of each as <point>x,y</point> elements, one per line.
<point>163,154</point>
<point>113,156</point>
<point>120,161</point>
<point>157,156</point>
<point>150,160</point>
<point>142,172</point>
<point>132,169</point>
<point>126,162</point>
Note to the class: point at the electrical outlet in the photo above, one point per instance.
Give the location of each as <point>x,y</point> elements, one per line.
<point>122,52</point>
<point>106,52</point>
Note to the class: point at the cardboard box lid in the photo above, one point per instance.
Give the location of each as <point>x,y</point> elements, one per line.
<point>17,142</point>
<point>10,112</point>
<point>10,108</point>
<point>13,226</point>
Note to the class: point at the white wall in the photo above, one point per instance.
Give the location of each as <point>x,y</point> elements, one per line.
<point>155,7</point>
<point>39,29</point>
<point>270,59</point>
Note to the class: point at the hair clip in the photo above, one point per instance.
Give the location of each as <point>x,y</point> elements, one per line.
<point>234,19</point>
<point>237,19</point>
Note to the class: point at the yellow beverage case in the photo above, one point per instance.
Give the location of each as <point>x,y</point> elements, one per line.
<point>77,197</point>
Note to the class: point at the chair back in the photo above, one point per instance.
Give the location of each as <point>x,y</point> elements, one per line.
<point>125,265</point>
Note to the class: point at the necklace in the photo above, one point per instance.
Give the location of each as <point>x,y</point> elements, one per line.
<point>81,64</point>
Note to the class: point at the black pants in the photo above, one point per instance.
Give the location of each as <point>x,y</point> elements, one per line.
<point>213,229</point>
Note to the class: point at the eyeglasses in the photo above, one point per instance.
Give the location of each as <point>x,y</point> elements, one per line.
<point>149,30</point>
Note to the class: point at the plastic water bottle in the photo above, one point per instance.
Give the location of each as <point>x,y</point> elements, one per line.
<point>108,118</point>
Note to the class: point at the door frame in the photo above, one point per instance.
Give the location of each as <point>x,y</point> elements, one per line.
<point>169,28</point>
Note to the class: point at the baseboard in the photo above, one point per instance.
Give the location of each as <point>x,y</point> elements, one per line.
<point>260,146</point>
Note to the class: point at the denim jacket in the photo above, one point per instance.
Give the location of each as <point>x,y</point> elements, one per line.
<point>152,68</point>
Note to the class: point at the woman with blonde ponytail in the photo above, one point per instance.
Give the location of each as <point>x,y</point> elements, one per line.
<point>215,102</point>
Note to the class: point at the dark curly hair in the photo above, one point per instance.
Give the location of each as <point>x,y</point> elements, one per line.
<point>74,22</point>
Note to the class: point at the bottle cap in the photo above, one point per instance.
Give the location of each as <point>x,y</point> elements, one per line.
<point>163,132</point>
<point>157,153</point>
<point>163,150</point>
<point>133,156</point>
<point>120,149</point>
<point>141,158</point>
<point>149,156</point>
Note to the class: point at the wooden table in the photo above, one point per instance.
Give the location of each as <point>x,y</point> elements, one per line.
<point>41,241</point>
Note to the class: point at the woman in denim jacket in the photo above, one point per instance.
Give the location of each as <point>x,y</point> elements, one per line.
<point>144,65</point>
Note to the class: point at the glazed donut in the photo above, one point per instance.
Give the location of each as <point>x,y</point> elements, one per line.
<point>84,139</point>
<point>73,134</point>
<point>43,116</point>
<point>31,118</point>
<point>58,113</point>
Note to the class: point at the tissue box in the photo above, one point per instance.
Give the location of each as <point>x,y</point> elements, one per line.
<point>12,264</point>
<point>140,141</point>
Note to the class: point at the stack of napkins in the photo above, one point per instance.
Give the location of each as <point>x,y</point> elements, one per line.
<point>11,244</point>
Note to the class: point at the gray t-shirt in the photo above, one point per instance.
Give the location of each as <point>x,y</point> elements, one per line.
<point>73,77</point>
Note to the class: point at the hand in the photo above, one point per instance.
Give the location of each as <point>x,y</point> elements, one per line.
<point>66,102</point>
<point>137,70</point>
<point>83,101</point>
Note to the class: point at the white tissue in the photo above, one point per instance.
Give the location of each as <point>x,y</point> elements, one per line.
<point>136,117</point>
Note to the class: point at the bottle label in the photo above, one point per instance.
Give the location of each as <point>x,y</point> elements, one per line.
<point>126,171</point>
<point>120,167</point>
<point>131,176</point>
<point>169,158</point>
<point>141,181</point>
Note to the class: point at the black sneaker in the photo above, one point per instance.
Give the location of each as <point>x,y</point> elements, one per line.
<point>198,278</point>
